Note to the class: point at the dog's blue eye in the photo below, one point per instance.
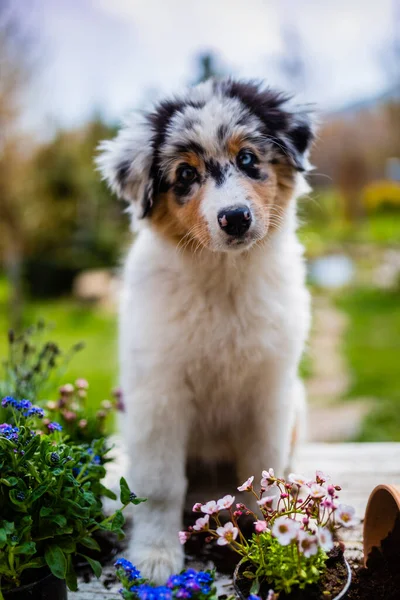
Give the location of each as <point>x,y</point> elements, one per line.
<point>186,174</point>
<point>246,159</point>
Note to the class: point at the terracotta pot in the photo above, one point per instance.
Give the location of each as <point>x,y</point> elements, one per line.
<point>380,516</point>
<point>243,596</point>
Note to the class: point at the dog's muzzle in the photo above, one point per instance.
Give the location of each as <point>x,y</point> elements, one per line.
<point>235,221</point>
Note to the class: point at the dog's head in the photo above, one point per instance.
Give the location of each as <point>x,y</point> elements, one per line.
<point>216,166</point>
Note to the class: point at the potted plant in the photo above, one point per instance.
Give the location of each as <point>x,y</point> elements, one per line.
<point>50,505</point>
<point>196,585</point>
<point>291,553</point>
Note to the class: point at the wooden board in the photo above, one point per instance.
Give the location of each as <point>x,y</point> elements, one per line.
<point>358,468</point>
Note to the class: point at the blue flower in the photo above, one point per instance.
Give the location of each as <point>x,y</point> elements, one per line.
<point>254,597</point>
<point>147,592</point>
<point>8,401</point>
<point>175,581</point>
<point>35,411</point>
<point>203,577</point>
<point>131,572</point>
<point>206,590</point>
<point>54,426</point>
<point>9,432</point>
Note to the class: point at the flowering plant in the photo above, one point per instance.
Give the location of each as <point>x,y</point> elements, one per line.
<point>71,410</point>
<point>293,531</point>
<point>189,584</point>
<point>50,503</point>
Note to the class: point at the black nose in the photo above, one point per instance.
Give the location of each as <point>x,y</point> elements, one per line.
<point>235,221</point>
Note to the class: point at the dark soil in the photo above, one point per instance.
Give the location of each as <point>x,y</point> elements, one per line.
<point>380,580</point>
<point>331,584</point>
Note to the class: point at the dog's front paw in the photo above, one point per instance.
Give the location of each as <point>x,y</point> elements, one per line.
<point>157,562</point>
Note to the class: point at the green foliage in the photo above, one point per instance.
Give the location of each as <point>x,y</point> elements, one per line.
<point>283,567</point>
<point>50,502</point>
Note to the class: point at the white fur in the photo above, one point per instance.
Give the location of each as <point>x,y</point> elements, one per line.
<point>209,349</point>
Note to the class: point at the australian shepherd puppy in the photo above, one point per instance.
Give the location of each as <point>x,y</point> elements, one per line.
<point>214,310</point>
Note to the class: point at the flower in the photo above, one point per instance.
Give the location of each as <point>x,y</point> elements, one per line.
<point>35,411</point>
<point>317,491</point>
<point>131,572</point>
<point>53,426</point>
<point>210,507</point>
<point>227,534</point>
<point>325,538</point>
<point>9,432</point>
<point>298,479</point>
<point>321,477</point>
<point>254,597</point>
<point>183,536</point>
<point>260,526</point>
<point>69,415</point>
<point>266,500</point>
<point>285,530</point>
<point>197,507</point>
<point>201,523</point>
<point>66,389</point>
<point>81,384</point>
<point>345,515</point>
<point>307,543</point>
<point>268,478</point>
<point>82,423</point>
<point>225,502</point>
<point>247,485</point>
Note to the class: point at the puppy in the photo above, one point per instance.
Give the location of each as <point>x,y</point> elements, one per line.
<point>214,311</point>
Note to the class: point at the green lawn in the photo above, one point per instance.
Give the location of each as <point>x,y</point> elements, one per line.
<point>372,349</point>
<point>97,362</point>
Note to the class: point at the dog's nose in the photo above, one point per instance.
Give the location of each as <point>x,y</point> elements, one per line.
<point>235,221</point>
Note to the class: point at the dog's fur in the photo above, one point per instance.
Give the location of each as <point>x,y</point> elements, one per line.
<point>212,327</point>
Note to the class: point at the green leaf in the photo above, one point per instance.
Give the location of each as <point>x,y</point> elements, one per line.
<point>96,566</point>
<point>56,561</point>
<point>45,511</point>
<point>59,520</point>
<point>3,535</point>
<point>249,575</point>
<point>90,543</point>
<point>125,492</point>
<point>26,548</point>
<point>70,577</point>
<point>103,491</point>
<point>38,493</point>
<point>117,521</point>
<point>255,587</point>
<point>138,500</point>
<point>10,482</point>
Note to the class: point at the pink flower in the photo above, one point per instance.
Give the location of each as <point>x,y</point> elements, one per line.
<point>325,538</point>
<point>247,485</point>
<point>201,523</point>
<point>268,478</point>
<point>331,490</point>
<point>328,503</point>
<point>298,479</point>
<point>285,530</point>
<point>260,526</point>
<point>183,536</point>
<point>82,384</point>
<point>210,507</point>
<point>197,507</point>
<point>317,491</point>
<point>227,534</point>
<point>82,423</point>
<point>68,388</point>
<point>345,515</point>
<point>225,502</point>
<point>266,500</point>
<point>308,543</point>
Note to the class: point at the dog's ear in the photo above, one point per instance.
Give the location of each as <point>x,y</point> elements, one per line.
<point>125,163</point>
<point>298,139</point>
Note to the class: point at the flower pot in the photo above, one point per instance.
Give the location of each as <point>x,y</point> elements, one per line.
<point>242,585</point>
<point>381,513</point>
<point>48,587</point>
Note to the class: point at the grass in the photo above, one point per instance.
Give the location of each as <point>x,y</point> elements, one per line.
<point>73,322</point>
<point>372,348</point>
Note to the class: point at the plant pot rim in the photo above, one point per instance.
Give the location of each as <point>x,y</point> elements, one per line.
<point>30,586</point>
<point>383,507</point>
<point>339,596</point>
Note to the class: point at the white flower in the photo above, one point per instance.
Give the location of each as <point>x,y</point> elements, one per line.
<point>285,530</point>
<point>247,485</point>
<point>317,491</point>
<point>210,507</point>
<point>260,526</point>
<point>325,538</point>
<point>345,515</point>
<point>298,479</point>
<point>227,534</point>
<point>307,543</point>
<point>225,502</point>
<point>322,477</point>
<point>266,500</point>
<point>201,523</point>
<point>183,536</point>
<point>266,476</point>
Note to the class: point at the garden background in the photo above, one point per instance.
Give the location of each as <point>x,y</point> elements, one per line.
<point>69,71</point>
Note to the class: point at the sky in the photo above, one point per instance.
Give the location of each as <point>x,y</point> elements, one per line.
<point>109,56</point>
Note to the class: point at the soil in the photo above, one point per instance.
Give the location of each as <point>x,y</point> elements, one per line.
<point>331,584</point>
<point>380,579</point>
